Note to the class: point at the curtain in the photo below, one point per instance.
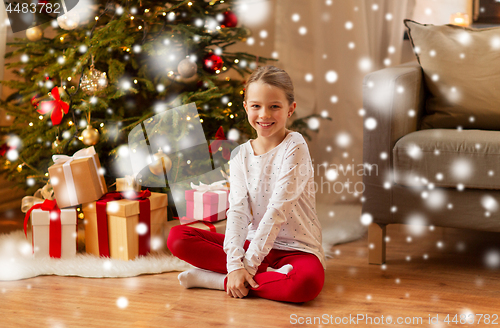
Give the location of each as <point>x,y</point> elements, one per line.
<point>343,41</point>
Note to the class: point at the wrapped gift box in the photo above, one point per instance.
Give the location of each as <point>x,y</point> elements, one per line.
<point>127,184</point>
<point>219,227</point>
<point>122,236</point>
<point>43,239</point>
<point>77,179</point>
<point>207,205</point>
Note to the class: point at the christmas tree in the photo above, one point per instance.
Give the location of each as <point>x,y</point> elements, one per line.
<point>94,81</point>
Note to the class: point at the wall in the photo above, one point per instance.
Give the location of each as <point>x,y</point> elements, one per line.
<point>438,12</point>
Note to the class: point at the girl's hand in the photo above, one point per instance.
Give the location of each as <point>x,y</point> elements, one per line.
<point>237,281</point>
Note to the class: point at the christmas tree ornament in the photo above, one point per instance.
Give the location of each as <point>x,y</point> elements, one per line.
<point>161,163</point>
<point>34,33</point>
<point>187,68</point>
<point>212,63</point>
<point>34,101</point>
<point>93,81</point>
<point>219,144</point>
<point>90,136</point>
<point>248,33</point>
<point>68,21</point>
<point>43,6</point>
<point>202,85</point>
<point>56,145</point>
<point>230,19</point>
<point>57,106</point>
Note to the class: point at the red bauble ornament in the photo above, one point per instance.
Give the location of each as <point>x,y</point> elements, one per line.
<point>212,63</point>
<point>230,20</point>
<point>34,101</point>
<point>43,7</point>
<point>202,85</point>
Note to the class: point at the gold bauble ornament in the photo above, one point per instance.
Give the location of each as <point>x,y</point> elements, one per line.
<point>90,136</point>
<point>161,163</point>
<point>34,33</point>
<point>56,145</point>
<point>187,68</point>
<point>93,81</point>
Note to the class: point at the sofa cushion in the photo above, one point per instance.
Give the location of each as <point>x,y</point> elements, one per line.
<point>448,158</point>
<point>461,73</point>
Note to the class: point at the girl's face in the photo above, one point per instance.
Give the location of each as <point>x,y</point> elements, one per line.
<point>267,109</point>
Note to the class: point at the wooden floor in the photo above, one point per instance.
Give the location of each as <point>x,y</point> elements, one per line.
<point>453,279</point>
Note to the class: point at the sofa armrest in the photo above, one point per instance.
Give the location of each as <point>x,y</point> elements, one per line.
<point>394,99</point>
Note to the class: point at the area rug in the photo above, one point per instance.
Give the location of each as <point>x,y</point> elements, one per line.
<point>340,224</point>
<point>17,262</point>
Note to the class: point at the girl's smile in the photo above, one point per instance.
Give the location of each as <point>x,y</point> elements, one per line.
<point>267,109</point>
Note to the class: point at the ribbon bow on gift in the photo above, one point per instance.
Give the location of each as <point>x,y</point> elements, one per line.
<point>54,229</point>
<point>47,205</point>
<point>68,175</point>
<point>40,195</point>
<point>85,152</point>
<point>219,141</point>
<point>218,185</point>
<point>57,106</point>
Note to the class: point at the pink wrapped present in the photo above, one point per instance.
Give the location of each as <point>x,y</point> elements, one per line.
<point>207,202</point>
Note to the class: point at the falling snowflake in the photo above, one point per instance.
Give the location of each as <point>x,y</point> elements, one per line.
<point>414,151</point>
<point>313,123</point>
<point>489,203</point>
<point>365,64</point>
<point>495,42</point>
<point>331,174</point>
<point>464,38</point>
<point>343,139</point>
<point>107,265</point>
<point>122,302</point>
<point>366,219</point>
<point>415,224</point>
<point>436,199</point>
<point>141,228</point>
<point>370,123</point>
<point>492,259</point>
<point>461,169</point>
<point>331,76</point>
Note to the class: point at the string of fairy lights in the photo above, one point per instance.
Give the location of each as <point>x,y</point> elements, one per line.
<point>93,81</point>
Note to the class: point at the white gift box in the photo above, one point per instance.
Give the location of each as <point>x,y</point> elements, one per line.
<point>40,223</point>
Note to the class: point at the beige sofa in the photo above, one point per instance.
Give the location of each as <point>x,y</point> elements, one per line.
<point>440,177</point>
<point>431,143</point>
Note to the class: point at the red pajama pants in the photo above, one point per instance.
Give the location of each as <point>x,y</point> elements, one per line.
<point>204,249</point>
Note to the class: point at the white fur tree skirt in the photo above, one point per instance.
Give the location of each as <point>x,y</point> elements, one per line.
<point>340,224</point>
<point>17,262</point>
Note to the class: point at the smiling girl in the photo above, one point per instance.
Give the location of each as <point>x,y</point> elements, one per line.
<point>272,246</point>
